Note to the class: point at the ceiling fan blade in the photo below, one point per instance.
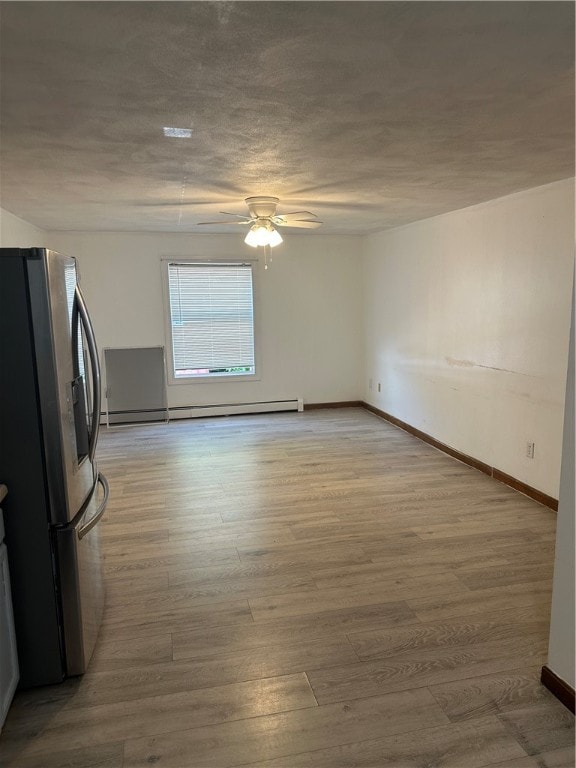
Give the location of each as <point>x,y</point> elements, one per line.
<point>237,215</point>
<point>299,214</point>
<point>236,221</point>
<point>300,223</point>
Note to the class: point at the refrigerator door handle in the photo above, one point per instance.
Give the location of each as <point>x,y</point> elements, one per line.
<point>94,520</point>
<point>95,370</point>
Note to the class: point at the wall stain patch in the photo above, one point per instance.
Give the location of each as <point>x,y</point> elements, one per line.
<point>471,364</point>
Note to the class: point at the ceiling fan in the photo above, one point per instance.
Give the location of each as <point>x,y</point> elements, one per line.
<point>263,221</point>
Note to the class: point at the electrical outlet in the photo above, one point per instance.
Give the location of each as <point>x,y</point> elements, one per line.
<point>379,387</point>
<point>530,450</point>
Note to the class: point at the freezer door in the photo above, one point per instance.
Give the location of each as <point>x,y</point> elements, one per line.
<point>82,580</point>
<point>62,381</point>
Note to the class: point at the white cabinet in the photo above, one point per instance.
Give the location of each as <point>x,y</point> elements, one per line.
<point>8,656</point>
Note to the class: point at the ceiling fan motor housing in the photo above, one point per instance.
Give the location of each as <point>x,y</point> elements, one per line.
<point>262,207</point>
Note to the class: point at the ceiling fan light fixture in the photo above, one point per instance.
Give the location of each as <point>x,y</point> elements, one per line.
<point>250,239</point>
<point>275,238</point>
<point>257,235</point>
<point>262,234</point>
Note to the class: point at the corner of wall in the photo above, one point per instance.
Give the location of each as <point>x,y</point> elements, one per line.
<point>561,646</point>
<point>17,233</point>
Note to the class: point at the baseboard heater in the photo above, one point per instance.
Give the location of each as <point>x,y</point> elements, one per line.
<point>233,409</point>
<point>140,416</point>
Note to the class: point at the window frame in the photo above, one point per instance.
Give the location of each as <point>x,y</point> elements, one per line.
<point>213,378</point>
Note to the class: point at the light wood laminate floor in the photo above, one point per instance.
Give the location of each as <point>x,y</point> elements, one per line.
<point>316,590</point>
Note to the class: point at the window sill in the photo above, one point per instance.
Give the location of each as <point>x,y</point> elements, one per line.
<point>195,380</point>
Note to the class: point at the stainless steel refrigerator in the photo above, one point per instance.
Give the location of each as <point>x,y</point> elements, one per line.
<point>49,422</point>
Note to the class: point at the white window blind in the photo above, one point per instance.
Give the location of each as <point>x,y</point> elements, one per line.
<point>212,319</point>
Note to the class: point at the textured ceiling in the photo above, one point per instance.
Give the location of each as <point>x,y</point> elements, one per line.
<point>369,114</point>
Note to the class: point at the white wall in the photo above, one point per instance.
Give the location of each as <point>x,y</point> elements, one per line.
<point>17,233</point>
<point>309,318</point>
<point>466,327</point>
<point>561,647</point>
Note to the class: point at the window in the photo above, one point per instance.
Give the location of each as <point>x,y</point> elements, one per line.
<point>211,319</point>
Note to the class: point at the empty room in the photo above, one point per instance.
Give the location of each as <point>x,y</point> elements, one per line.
<point>287,384</point>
